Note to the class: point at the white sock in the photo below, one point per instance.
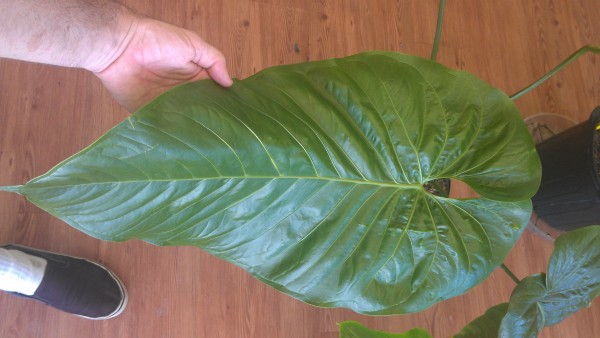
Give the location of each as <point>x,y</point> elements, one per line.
<point>20,272</point>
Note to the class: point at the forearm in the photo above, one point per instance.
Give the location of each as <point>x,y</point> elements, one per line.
<point>73,33</point>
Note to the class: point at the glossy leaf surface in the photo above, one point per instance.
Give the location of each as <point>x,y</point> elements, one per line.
<point>357,330</point>
<point>573,281</point>
<point>485,326</point>
<point>311,178</point>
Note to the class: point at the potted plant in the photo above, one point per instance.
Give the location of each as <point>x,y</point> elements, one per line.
<point>320,179</point>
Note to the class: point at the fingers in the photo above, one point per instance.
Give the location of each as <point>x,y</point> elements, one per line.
<point>213,61</point>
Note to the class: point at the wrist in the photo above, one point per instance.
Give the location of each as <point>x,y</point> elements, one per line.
<point>114,41</point>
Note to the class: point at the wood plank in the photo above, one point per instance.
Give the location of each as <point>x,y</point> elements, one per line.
<point>48,113</point>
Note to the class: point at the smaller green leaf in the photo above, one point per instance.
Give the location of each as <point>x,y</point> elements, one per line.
<point>573,281</point>
<point>350,329</point>
<point>573,274</point>
<point>485,326</point>
<point>525,315</point>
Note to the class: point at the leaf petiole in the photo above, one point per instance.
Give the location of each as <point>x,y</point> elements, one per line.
<point>571,58</point>
<point>510,273</point>
<point>438,30</point>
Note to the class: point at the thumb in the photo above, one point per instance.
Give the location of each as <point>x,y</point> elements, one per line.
<point>218,72</point>
<point>213,61</point>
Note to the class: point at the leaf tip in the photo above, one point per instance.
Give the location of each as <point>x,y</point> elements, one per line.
<point>12,188</point>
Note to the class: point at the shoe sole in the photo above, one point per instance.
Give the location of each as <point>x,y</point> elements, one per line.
<point>122,288</point>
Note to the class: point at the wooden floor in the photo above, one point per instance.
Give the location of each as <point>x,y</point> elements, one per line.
<point>48,113</point>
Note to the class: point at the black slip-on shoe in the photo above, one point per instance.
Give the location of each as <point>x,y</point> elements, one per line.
<point>78,286</point>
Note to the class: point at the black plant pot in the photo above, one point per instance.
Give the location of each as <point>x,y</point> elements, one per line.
<point>569,195</point>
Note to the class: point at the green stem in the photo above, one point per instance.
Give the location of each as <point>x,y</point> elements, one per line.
<point>510,273</point>
<point>573,57</point>
<point>438,30</point>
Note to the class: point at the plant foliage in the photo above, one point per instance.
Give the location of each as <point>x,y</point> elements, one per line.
<point>485,326</point>
<point>572,282</point>
<point>540,300</point>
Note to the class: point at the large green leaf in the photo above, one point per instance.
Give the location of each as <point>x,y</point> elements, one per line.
<point>573,281</point>
<point>311,177</point>
<point>351,329</point>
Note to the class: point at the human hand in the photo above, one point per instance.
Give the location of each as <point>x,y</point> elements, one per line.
<point>157,57</point>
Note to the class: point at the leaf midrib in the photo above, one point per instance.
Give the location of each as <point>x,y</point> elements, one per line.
<point>416,186</point>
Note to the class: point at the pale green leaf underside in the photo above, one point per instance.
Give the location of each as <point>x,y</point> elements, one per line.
<point>310,177</point>
<point>351,329</point>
